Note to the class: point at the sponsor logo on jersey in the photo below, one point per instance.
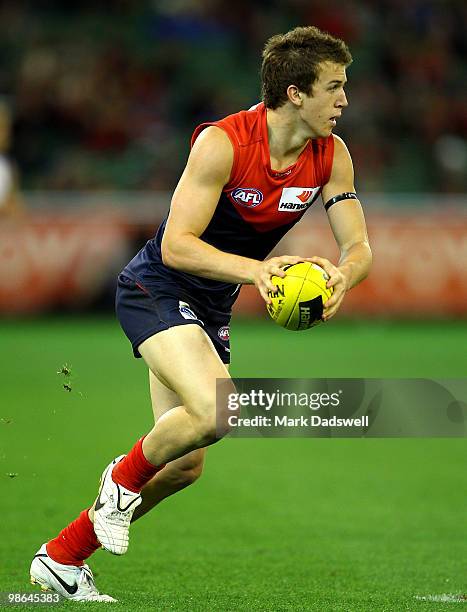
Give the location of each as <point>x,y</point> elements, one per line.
<point>294,199</point>
<point>224,333</point>
<point>247,196</point>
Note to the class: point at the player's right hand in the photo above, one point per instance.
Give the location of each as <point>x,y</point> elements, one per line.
<point>272,267</point>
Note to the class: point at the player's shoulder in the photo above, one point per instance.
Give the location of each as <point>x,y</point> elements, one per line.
<point>212,136</point>
<point>212,155</point>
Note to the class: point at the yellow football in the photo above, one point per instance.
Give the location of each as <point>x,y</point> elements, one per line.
<point>298,302</point>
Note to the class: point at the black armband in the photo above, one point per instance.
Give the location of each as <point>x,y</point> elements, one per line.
<point>348,195</point>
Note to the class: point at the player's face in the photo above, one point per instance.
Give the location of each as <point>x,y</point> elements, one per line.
<point>324,106</point>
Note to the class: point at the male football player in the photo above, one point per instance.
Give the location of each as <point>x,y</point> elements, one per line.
<point>249,178</point>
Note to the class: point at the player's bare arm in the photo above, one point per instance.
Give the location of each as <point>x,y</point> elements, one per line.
<point>348,225</point>
<point>193,205</point>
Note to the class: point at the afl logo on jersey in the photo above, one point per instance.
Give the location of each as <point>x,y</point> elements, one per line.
<point>247,196</point>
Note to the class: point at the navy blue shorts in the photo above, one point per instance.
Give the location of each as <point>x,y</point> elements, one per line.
<point>143,312</point>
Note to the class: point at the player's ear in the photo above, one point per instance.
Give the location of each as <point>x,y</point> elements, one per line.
<point>295,95</point>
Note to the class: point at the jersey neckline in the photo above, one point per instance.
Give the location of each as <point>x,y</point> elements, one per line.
<point>266,154</point>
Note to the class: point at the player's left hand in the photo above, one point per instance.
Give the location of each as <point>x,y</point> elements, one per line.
<point>338,280</point>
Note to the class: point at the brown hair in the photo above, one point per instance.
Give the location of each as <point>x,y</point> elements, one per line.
<point>294,58</point>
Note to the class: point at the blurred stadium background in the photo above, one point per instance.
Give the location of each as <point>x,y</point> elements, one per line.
<point>98,101</point>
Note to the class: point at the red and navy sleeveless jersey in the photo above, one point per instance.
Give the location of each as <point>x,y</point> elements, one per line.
<point>258,205</point>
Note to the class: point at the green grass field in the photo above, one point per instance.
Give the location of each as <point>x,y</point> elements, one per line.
<point>298,524</point>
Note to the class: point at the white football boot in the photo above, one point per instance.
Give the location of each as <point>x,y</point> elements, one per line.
<point>70,581</point>
<point>113,511</point>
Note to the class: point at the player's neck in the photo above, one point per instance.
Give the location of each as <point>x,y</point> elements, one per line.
<point>287,136</point>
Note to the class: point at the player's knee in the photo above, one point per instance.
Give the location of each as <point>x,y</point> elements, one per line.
<point>226,412</point>
<point>206,428</point>
<point>191,475</point>
<point>186,475</point>
<point>213,428</point>
<point>211,414</point>
<point>203,414</point>
<point>191,465</point>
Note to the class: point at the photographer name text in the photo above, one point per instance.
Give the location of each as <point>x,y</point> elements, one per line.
<point>302,421</point>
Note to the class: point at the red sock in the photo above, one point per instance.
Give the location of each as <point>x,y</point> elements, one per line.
<point>134,470</point>
<point>75,543</point>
